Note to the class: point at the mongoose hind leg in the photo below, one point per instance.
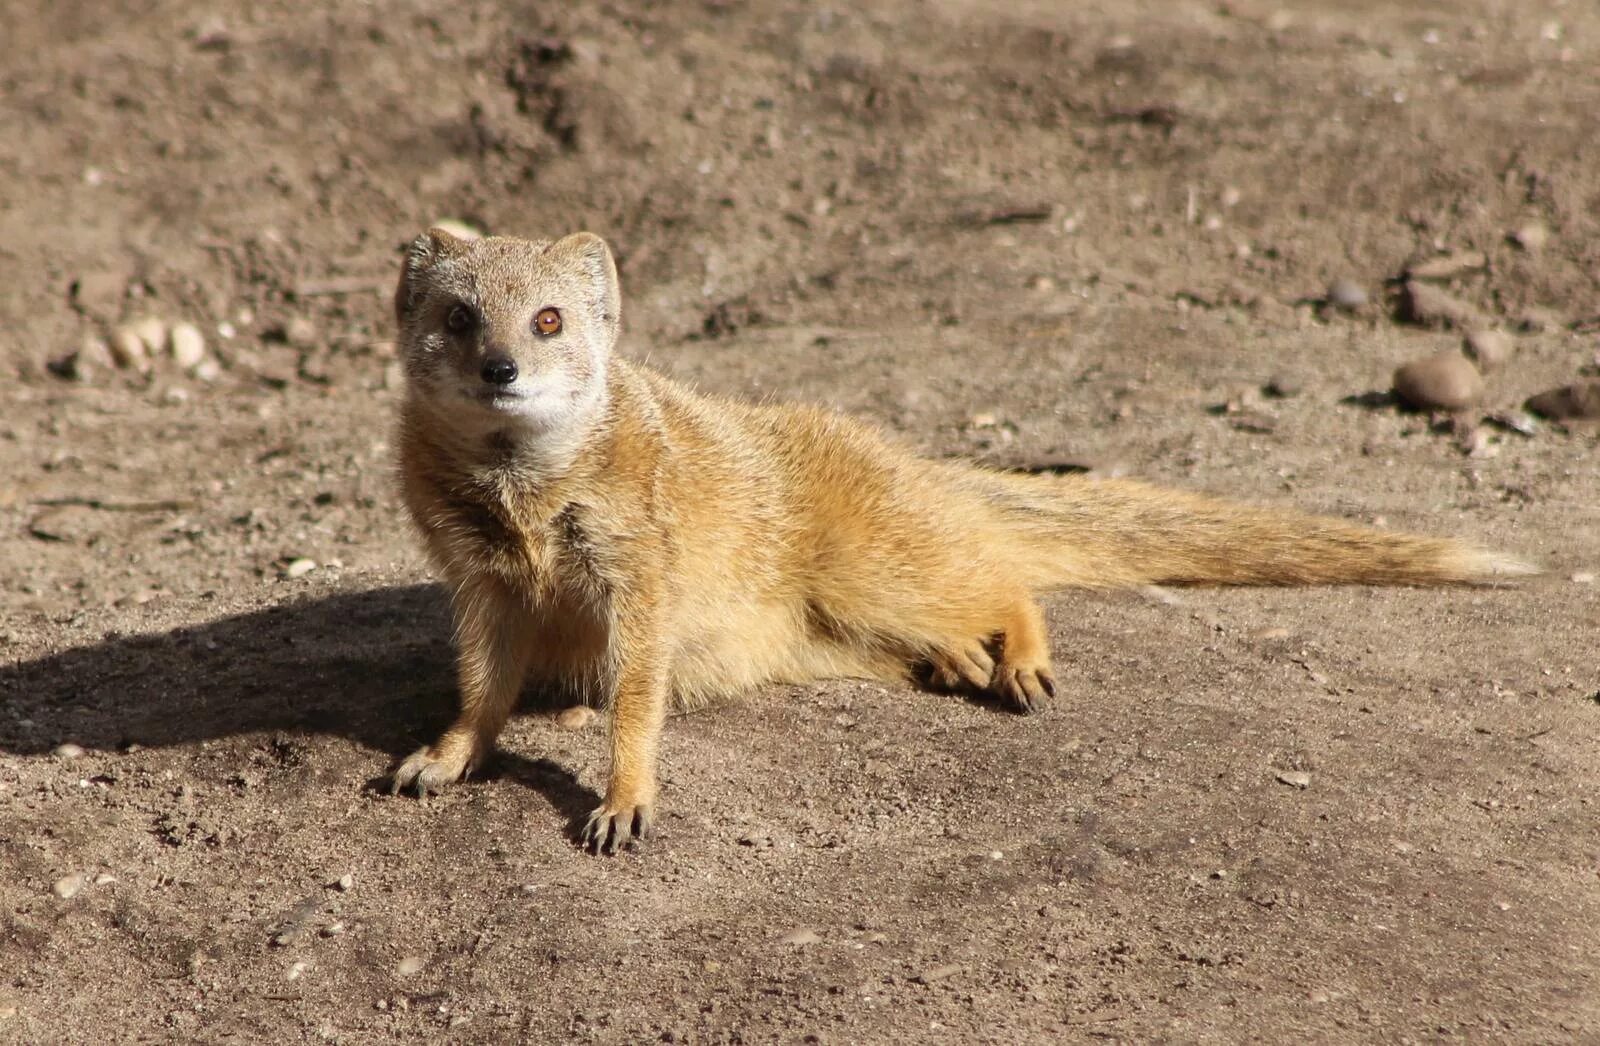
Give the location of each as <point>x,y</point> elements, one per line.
<point>1022,675</point>
<point>1010,661</point>
<point>961,665</point>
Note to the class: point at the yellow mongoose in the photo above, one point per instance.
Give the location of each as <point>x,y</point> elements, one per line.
<point>604,529</point>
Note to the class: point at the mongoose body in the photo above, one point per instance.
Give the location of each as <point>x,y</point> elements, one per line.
<point>607,531</point>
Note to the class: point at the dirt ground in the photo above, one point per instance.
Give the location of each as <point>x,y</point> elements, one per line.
<point>1085,233</point>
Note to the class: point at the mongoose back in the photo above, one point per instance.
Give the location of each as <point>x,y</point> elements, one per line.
<point>605,530</point>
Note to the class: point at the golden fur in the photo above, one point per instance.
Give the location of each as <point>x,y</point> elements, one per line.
<point>606,530</point>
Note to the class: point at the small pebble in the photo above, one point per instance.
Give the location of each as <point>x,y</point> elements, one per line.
<point>1583,577</point>
<point>332,930</point>
<point>300,332</point>
<point>997,855</point>
<point>152,333</point>
<point>1295,778</point>
<point>68,886</point>
<point>299,568</point>
<point>800,937</point>
<point>936,973</point>
<point>188,345</point>
<point>984,419</point>
<point>208,370</point>
<point>411,964</point>
<point>1447,381</point>
<point>67,751</point>
<point>297,970</point>
<point>96,353</point>
<point>127,349</point>
<point>1530,237</point>
<point>1478,443</point>
<point>1448,266</point>
<point>575,718</point>
<point>104,879</point>
<point>1428,306</point>
<point>345,882</point>
<point>1347,295</point>
<point>1488,348</point>
<point>1580,402</point>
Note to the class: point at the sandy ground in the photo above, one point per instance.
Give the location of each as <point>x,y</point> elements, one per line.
<point>1090,233</point>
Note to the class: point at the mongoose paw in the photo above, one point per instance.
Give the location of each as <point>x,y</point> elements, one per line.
<point>432,768</point>
<point>960,666</point>
<point>1025,688</point>
<point>612,828</point>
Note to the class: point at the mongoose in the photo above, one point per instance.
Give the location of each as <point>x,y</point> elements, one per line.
<point>604,529</point>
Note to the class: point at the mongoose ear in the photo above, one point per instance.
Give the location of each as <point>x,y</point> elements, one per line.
<point>590,257</point>
<point>421,255</point>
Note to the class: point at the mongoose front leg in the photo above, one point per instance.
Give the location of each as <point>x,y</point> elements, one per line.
<point>638,709</point>
<point>493,637</point>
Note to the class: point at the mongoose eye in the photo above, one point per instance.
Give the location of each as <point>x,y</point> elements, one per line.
<point>460,320</point>
<point>547,322</point>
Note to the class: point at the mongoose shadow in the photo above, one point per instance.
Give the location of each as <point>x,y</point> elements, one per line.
<point>375,667</point>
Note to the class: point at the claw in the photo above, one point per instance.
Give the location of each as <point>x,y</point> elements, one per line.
<point>608,830</point>
<point>431,769</point>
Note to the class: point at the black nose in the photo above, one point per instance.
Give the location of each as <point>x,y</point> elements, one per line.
<point>499,370</point>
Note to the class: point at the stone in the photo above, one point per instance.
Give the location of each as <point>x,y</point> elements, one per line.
<point>1447,381</point>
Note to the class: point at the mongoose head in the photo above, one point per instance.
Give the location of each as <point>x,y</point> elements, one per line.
<point>508,334</point>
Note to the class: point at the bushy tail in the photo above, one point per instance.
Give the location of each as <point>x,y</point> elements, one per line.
<point>1077,531</point>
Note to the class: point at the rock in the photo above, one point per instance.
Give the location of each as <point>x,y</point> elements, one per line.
<point>936,973</point>
<point>67,751</point>
<point>104,879</point>
<point>1347,295</point>
<point>1447,381</point>
<point>1428,306</point>
<point>300,332</point>
<point>1580,402</point>
<point>345,883</point>
<point>152,332</point>
<point>1488,348</point>
<point>127,349</point>
<point>96,353</point>
<point>332,930</point>
<point>1518,421</point>
<point>800,938</point>
<point>299,568</point>
<point>188,345</point>
<point>208,370</point>
<point>1583,577</point>
<point>1295,779</point>
<point>1448,266</point>
<point>410,965</point>
<point>1530,237</point>
<point>296,970</point>
<point>68,886</point>
<point>575,718</point>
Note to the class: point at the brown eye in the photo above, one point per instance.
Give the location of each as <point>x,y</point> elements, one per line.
<point>459,320</point>
<point>548,322</point>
